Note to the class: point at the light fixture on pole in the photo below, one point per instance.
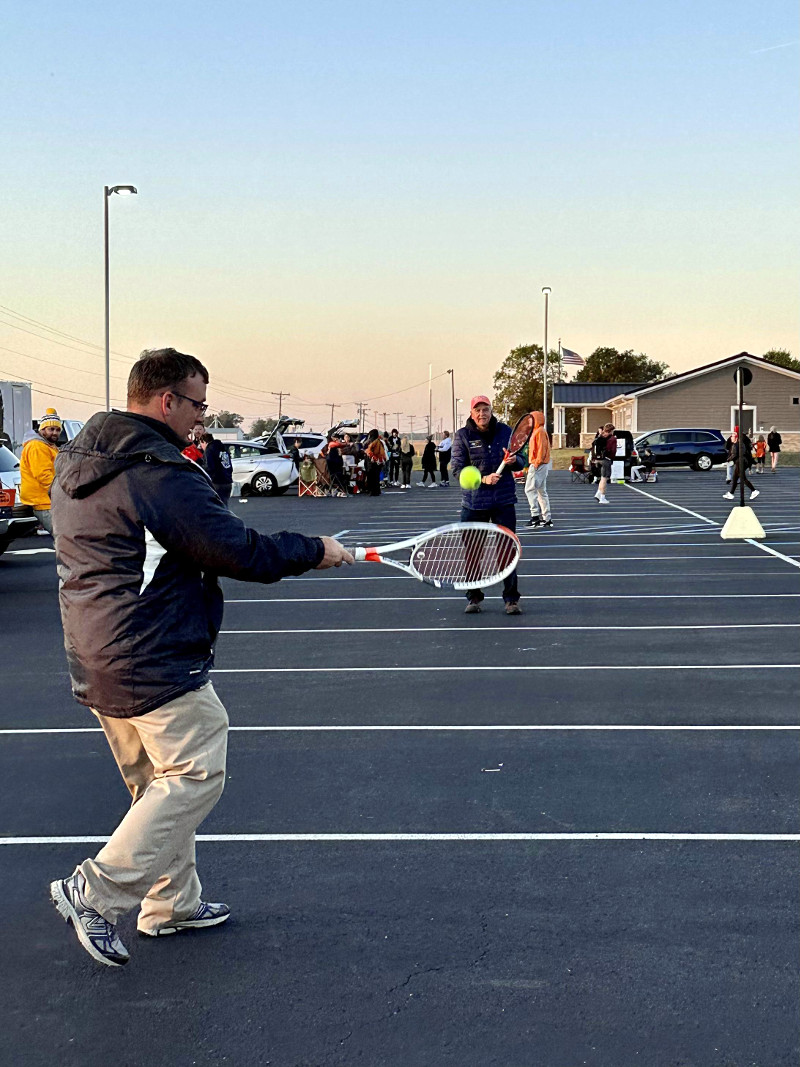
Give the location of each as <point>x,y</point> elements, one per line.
<point>546,290</point>
<point>121,190</point>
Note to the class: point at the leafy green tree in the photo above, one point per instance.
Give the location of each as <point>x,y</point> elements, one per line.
<point>783,358</point>
<point>261,426</point>
<point>518,384</point>
<point>610,365</point>
<point>227,419</point>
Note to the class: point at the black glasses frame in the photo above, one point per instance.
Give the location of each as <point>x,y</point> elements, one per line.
<point>199,405</point>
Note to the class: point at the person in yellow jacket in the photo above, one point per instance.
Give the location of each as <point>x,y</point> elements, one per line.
<point>539,466</point>
<point>37,470</point>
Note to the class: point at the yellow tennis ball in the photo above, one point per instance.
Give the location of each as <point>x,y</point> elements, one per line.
<point>470,478</point>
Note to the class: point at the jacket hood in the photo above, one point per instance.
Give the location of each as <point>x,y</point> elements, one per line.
<point>538,419</point>
<point>110,443</point>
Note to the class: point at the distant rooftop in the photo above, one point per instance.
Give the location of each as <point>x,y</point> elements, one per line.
<point>593,392</point>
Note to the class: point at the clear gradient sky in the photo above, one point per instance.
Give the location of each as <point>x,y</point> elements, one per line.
<point>335,193</point>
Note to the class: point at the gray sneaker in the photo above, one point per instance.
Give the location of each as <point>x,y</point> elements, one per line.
<point>473,607</point>
<point>204,915</point>
<point>97,935</point>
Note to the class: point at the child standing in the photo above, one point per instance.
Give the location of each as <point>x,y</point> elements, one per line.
<point>761,451</point>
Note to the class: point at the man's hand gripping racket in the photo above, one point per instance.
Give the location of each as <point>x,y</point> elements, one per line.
<point>461,555</point>
<point>519,438</point>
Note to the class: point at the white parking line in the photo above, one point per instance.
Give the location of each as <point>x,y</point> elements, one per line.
<point>514,667</point>
<point>497,837</point>
<point>440,728</point>
<point>544,596</point>
<point>516,629</point>
<point>748,540</point>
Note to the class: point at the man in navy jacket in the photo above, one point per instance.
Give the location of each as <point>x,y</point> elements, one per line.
<point>482,443</point>
<point>141,538</point>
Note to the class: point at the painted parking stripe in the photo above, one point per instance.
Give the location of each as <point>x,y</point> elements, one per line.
<point>496,837</point>
<point>749,540</point>
<point>516,629</point>
<point>514,667</point>
<point>544,596</point>
<point>440,728</point>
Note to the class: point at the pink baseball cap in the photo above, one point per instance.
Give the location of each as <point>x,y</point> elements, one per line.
<point>480,400</point>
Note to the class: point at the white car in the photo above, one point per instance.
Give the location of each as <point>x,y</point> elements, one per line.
<point>261,469</point>
<point>13,520</point>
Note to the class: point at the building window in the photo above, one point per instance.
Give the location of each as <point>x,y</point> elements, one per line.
<point>796,399</point>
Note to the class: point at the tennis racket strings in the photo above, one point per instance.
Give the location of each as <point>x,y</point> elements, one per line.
<point>466,558</point>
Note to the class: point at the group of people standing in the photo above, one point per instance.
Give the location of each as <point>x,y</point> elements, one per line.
<point>754,456</point>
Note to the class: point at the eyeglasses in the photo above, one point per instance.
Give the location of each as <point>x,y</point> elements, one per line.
<point>199,406</point>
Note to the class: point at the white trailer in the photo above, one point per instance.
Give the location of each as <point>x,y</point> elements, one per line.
<point>15,411</point>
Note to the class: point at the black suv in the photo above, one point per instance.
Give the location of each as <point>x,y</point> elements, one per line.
<point>700,449</point>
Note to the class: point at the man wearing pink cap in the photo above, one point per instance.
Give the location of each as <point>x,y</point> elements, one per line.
<point>482,443</point>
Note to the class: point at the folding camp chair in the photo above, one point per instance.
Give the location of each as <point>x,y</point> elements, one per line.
<point>579,470</point>
<point>313,479</point>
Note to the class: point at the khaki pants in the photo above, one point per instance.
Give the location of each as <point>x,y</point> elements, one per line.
<point>173,762</point>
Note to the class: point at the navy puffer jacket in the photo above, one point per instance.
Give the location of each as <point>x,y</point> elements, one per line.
<point>141,537</point>
<point>485,451</point>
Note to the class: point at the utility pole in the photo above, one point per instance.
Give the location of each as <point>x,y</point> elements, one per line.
<point>412,426</point>
<point>397,415</point>
<point>430,399</point>
<point>384,414</point>
<point>333,406</point>
<point>546,290</point>
<point>280,397</point>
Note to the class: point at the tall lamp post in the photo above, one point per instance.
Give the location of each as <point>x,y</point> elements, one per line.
<point>453,397</point>
<point>546,290</point>
<point>121,190</point>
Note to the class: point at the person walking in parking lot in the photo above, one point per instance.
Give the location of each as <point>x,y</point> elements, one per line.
<point>37,470</point>
<point>747,451</point>
<point>604,449</point>
<point>539,466</point>
<point>141,538</point>
<point>429,462</point>
<point>774,442</point>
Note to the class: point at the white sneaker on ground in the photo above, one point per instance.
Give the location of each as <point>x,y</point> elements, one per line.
<point>727,496</point>
<point>754,494</point>
<point>602,500</point>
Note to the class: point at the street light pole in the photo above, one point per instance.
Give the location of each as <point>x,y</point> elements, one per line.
<point>546,290</point>
<point>453,395</point>
<point>123,190</point>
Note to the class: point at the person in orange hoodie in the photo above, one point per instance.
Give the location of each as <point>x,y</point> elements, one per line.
<point>36,467</point>
<point>539,466</point>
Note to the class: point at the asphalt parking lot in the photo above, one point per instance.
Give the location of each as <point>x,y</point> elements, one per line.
<point>564,838</point>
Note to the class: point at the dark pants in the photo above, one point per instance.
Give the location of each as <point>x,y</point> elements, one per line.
<point>407,466</point>
<point>373,478</point>
<point>745,479</point>
<point>394,468</point>
<point>223,491</point>
<point>506,515</point>
<point>443,470</point>
<point>426,471</point>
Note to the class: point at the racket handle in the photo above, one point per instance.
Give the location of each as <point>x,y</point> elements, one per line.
<point>370,555</point>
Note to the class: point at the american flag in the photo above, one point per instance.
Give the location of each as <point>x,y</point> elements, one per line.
<point>572,357</point>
